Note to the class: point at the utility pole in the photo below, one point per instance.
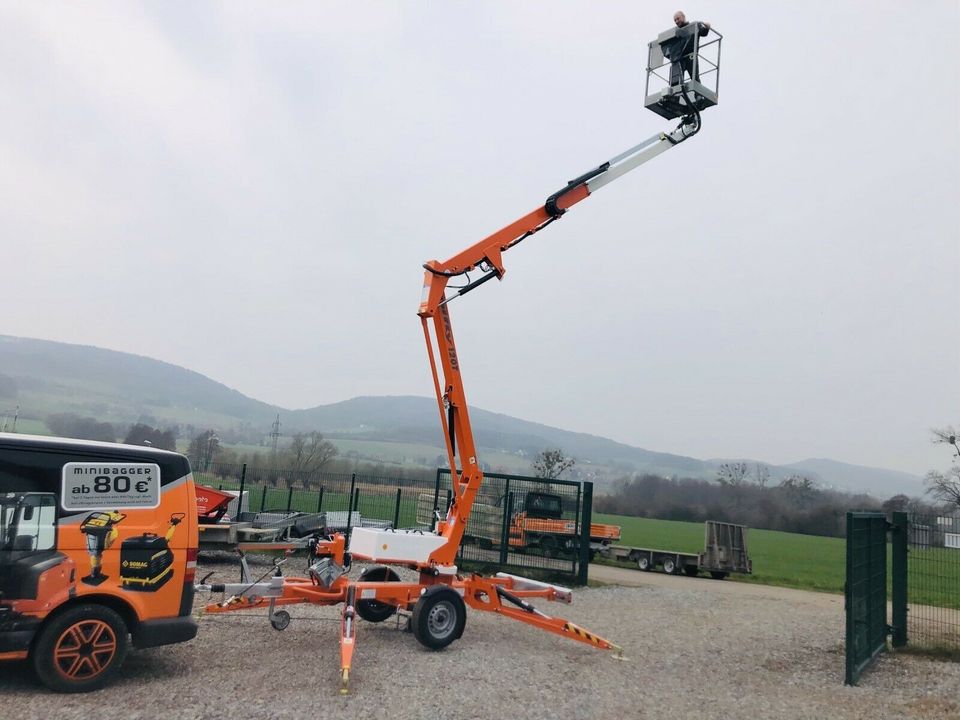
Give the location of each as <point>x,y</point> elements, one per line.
<point>274,436</point>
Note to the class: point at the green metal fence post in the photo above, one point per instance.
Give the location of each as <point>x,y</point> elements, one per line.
<point>243,480</point>
<point>289,498</point>
<point>586,518</point>
<point>436,499</point>
<point>849,675</point>
<point>505,527</point>
<point>900,533</point>
<point>396,511</point>
<point>263,499</point>
<point>320,499</point>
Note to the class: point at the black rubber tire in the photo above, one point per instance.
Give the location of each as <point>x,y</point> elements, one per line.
<point>718,574</point>
<point>438,617</point>
<point>280,620</point>
<point>643,563</point>
<point>373,610</point>
<point>100,637</point>
<point>548,546</point>
<point>690,570</point>
<point>670,566</point>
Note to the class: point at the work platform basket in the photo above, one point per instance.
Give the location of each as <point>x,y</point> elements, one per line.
<point>683,71</point>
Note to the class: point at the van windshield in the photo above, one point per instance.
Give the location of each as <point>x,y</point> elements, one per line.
<point>8,506</point>
<point>27,521</point>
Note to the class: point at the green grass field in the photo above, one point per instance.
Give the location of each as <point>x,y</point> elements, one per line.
<point>779,558</point>
<point>27,426</point>
<point>807,562</point>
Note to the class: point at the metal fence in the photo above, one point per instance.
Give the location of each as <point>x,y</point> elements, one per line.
<point>924,586</point>
<point>387,499</point>
<point>516,522</point>
<point>525,523</point>
<point>865,599</point>
<point>933,582</point>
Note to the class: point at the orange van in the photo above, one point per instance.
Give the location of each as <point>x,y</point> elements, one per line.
<point>98,552</point>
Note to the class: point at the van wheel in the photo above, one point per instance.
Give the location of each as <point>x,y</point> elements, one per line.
<point>81,649</point>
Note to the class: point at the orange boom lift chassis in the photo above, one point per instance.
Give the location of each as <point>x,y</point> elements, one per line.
<point>437,600</point>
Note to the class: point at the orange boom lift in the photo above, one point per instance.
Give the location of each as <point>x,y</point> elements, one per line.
<point>437,600</point>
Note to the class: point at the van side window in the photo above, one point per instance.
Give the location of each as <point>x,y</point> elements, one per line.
<point>29,471</point>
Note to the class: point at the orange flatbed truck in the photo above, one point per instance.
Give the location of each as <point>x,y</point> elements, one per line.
<point>98,552</point>
<point>539,525</point>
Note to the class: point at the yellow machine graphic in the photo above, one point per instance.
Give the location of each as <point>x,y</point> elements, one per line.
<point>101,531</point>
<point>146,561</point>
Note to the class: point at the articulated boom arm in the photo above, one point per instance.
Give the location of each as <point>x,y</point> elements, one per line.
<point>488,256</point>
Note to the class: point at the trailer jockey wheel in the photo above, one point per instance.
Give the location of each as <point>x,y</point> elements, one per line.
<point>373,610</point>
<point>438,617</point>
<point>80,649</point>
<point>280,620</point>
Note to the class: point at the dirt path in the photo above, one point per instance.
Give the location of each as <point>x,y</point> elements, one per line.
<point>635,578</point>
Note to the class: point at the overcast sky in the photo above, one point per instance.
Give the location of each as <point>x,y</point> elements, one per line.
<point>249,189</point>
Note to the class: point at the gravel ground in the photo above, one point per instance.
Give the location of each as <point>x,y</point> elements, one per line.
<point>694,648</point>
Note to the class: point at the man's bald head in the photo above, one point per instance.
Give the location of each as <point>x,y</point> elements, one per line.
<point>679,18</point>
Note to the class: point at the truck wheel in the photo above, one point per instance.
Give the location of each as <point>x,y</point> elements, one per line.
<point>643,562</point>
<point>548,546</point>
<point>690,570</point>
<point>718,574</point>
<point>669,566</point>
<point>438,617</point>
<point>81,649</point>
<point>373,610</point>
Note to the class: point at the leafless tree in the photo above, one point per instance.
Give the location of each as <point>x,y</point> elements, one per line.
<point>945,486</point>
<point>799,488</point>
<point>551,464</point>
<point>308,454</point>
<point>761,474</point>
<point>733,474</point>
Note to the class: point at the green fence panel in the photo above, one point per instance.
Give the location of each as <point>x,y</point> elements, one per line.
<point>866,591</point>
<point>552,538</point>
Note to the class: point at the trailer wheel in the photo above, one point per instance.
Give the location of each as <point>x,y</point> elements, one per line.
<point>669,566</point>
<point>718,574</point>
<point>438,617</point>
<point>81,649</point>
<point>643,562</point>
<point>373,610</point>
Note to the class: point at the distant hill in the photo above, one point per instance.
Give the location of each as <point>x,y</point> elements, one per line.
<point>843,476</point>
<point>46,377</point>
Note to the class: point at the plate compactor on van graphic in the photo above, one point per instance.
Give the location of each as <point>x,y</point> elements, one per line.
<point>98,551</point>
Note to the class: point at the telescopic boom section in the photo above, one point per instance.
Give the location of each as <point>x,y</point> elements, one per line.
<point>488,256</point>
